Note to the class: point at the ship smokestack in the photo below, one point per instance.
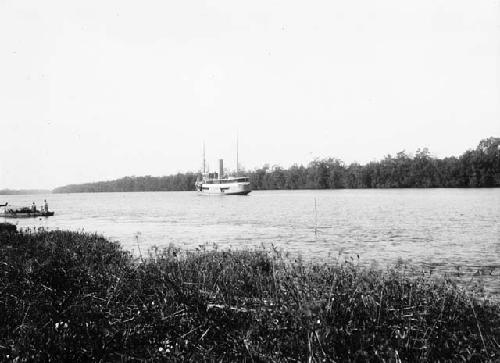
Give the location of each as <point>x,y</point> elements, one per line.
<point>221,168</point>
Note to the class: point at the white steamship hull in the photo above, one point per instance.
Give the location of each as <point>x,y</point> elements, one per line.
<point>225,188</point>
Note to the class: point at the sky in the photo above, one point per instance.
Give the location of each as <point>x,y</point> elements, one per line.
<point>97,90</point>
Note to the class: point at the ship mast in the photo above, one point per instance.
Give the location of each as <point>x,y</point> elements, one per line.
<point>203,157</point>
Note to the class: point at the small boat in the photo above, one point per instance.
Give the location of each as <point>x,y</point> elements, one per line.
<point>15,214</point>
<point>24,212</point>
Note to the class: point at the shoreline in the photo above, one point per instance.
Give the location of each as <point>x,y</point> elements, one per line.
<point>72,295</point>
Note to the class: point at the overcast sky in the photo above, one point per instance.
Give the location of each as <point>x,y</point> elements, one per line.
<point>97,90</point>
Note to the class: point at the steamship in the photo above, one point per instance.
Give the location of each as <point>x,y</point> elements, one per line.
<point>216,183</point>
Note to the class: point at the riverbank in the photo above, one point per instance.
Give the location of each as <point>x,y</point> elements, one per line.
<point>75,296</point>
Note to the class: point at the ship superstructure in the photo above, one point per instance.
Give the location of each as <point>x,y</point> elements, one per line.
<point>217,183</point>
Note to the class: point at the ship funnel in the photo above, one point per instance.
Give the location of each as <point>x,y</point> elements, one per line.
<point>221,168</point>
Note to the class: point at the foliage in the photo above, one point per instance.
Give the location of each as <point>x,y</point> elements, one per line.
<point>179,181</point>
<point>474,168</point>
<point>72,296</point>
<point>7,227</point>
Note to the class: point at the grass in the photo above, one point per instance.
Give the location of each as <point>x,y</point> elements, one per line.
<point>74,296</point>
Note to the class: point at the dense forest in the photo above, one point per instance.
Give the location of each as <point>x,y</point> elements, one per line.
<point>180,181</point>
<point>474,168</point>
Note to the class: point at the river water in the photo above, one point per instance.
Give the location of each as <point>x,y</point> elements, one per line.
<point>455,231</point>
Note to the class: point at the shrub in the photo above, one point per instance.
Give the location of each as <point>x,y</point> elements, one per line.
<point>74,296</point>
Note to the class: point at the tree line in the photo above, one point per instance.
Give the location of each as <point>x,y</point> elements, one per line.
<point>474,168</point>
<point>177,182</point>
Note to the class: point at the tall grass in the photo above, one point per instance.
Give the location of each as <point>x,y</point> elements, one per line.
<point>74,296</point>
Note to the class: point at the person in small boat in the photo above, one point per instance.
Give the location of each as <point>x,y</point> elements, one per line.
<point>33,207</point>
<point>46,206</point>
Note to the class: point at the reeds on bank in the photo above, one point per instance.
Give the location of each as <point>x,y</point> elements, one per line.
<point>75,296</point>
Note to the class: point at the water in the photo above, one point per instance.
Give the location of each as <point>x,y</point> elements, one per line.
<point>449,230</point>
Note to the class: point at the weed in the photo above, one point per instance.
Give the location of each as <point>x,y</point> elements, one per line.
<point>75,296</point>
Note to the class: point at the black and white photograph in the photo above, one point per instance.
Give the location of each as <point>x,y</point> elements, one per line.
<point>250,181</point>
